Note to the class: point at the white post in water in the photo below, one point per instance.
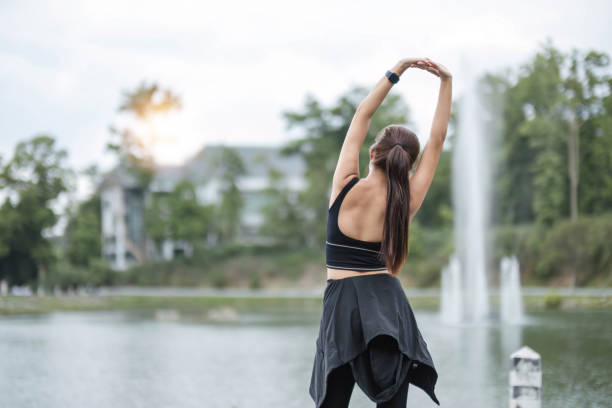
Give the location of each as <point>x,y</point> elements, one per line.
<point>525,379</point>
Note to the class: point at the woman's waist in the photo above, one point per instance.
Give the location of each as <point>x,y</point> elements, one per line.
<point>334,274</point>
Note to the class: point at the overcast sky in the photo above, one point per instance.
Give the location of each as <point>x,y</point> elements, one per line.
<point>238,64</point>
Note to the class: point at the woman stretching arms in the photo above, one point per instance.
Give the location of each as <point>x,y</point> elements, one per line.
<point>368,333</point>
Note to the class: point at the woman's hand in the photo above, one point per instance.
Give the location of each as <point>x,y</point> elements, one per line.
<point>409,62</point>
<point>433,67</point>
<point>406,63</point>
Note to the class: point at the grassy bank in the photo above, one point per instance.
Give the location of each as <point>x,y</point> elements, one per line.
<point>10,305</point>
<point>43,304</point>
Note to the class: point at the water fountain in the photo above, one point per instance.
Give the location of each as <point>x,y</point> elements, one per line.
<point>464,291</point>
<point>510,302</point>
<point>466,274</point>
<point>451,300</point>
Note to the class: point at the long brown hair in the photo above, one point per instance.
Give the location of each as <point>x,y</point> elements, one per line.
<point>395,150</point>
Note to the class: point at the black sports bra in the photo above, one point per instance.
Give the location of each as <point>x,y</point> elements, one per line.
<point>343,252</point>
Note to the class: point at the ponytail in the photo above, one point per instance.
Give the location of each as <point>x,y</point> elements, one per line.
<point>394,246</point>
<point>394,151</point>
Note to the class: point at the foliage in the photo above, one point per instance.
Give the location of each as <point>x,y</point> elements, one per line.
<point>550,120</point>
<point>33,179</point>
<point>178,215</point>
<point>83,232</point>
<point>436,210</point>
<point>282,214</point>
<point>581,248</point>
<point>133,150</point>
<point>81,263</point>
<point>553,300</point>
<point>556,101</point>
<point>576,253</point>
<point>227,265</point>
<point>148,100</point>
<point>64,275</point>
<point>228,214</point>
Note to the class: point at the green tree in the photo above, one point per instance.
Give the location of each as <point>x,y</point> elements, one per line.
<point>436,209</point>
<point>595,188</point>
<point>83,232</point>
<point>282,214</point>
<point>582,88</point>
<point>229,211</point>
<point>191,221</point>
<point>178,215</point>
<point>134,150</point>
<point>555,101</point>
<point>158,217</point>
<point>33,179</point>
<point>539,130</point>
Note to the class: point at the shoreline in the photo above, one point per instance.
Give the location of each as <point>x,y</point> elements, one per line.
<point>130,298</point>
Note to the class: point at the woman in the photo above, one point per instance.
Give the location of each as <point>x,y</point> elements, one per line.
<point>368,334</point>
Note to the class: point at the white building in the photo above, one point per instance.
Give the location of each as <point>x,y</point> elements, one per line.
<point>124,240</point>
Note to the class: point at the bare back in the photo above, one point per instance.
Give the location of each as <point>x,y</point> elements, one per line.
<point>362,212</point>
<point>361,216</point>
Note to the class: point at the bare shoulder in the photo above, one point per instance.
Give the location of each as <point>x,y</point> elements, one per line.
<point>338,183</point>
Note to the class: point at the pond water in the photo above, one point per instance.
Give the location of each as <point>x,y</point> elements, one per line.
<point>264,359</point>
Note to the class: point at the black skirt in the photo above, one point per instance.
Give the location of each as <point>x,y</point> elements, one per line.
<point>357,309</point>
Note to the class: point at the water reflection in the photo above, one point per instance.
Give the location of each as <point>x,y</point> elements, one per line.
<point>264,358</point>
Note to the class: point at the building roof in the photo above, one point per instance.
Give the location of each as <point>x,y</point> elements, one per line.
<point>256,159</point>
<point>201,167</point>
<point>118,176</point>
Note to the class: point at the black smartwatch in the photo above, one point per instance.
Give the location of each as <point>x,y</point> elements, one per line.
<point>392,77</point>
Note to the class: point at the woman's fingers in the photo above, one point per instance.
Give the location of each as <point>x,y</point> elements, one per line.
<point>428,66</point>
<point>441,69</point>
<point>419,61</point>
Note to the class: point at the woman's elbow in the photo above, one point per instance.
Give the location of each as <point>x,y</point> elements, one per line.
<point>363,111</point>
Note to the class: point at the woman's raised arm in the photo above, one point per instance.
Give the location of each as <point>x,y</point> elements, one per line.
<point>348,161</point>
<point>376,96</point>
<point>422,178</point>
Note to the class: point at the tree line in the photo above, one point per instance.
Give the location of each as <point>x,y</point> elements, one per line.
<point>552,164</point>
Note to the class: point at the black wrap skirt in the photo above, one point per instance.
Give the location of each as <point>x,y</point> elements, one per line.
<point>355,310</point>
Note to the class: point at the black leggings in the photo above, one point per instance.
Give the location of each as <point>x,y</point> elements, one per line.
<point>341,382</point>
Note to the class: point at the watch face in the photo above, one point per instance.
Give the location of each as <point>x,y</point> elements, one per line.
<point>392,76</point>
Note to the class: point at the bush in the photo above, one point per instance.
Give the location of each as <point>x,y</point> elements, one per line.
<point>255,281</point>
<point>67,276</point>
<point>552,300</point>
<point>218,279</point>
<point>101,274</point>
<point>579,248</point>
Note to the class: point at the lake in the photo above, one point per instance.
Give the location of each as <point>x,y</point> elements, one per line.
<point>262,357</point>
